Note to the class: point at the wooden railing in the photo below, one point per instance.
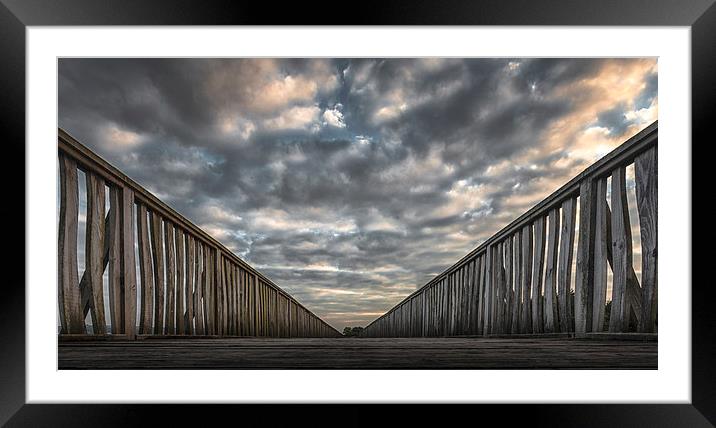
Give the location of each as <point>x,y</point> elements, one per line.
<point>519,280</point>
<point>189,283</point>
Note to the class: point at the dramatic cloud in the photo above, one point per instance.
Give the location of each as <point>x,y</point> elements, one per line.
<point>351,182</point>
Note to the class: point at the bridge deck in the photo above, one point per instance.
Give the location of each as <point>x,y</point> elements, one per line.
<point>359,353</point>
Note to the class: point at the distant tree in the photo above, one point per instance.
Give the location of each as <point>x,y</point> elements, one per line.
<point>352,331</point>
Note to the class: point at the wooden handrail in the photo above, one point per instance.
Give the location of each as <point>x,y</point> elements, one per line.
<point>88,161</point>
<point>623,155</point>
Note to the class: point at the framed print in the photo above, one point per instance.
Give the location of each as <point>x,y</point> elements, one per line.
<point>411,203</point>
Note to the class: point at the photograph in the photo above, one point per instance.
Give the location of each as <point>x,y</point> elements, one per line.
<point>360,213</point>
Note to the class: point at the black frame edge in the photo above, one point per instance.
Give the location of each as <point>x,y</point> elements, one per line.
<point>15,15</point>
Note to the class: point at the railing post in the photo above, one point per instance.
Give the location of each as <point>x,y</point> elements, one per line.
<point>584,284</point>
<point>129,272</point>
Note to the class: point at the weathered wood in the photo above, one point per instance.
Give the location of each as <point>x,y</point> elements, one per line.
<point>129,269</point>
<point>360,353</point>
<point>190,283</point>
<point>509,284</point>
<point>179,239</point>
<point>517,263</point>
<point>621,252</point>
<point>584,281</point>
<point>71,319</point>
<point>199,280</point>
<point>646,168</point>
<point>566,253</point>
<point>601,243</point>
<point>526,315</point>
<point>113,240</point>
<point>158,262</point>
<point>169,242</point>
<point>85,287</point>
<point>537,271</point>
<point>94,249</point>
<point>145,271</point>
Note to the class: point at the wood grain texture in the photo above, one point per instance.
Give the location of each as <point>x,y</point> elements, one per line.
<point>169,242</point>
<point>71,319</point>
<point>199,284</point>
<point>517,263</point>
<point>94,250</point>
<point>526,314</point>
<point>509,284</point>
<point>359,353</point>
<point>157,246</point>
<point>601,243</point>
<point>646,176</point>
<point>551,317</point>
<point>566,253</point>
<point>179,239</point>
<point>584,276</point>
<point>537,272</point>
<point>145,272</point>
<point>190,283</point>
<point>621,252</point>
<point>113,239</point>
<point>129,268</point>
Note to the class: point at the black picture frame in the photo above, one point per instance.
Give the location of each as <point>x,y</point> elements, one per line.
<point>16,15</point>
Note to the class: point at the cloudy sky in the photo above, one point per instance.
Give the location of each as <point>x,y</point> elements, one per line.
<point>350,182</point>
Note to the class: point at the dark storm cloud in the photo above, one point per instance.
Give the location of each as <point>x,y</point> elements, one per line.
<point>349,182</point>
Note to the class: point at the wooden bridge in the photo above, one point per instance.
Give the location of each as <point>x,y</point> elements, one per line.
<point>510,303</point>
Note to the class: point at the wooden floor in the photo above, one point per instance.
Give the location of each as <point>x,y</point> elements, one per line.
<point>359,353</point>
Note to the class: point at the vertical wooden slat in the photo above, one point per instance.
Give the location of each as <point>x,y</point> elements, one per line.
<point>145,271</point>
<point>488,290</point>
<point>200,272</point>
<point>171,279</point>
<point>509,292</point>
<point>646,175</point>
<point>601,243</point>
<point>71,319</point>
<point>584,281</point>
<point>180,278</point>
<point>190,285</point>
<point>129,269</point>
<point>502,288</point>
<point>537,270</point>
<point>621,252</point>
<point>517,307</point>
<point>113,237</point>
<point>158,260</point>
<point>551,318</point>
<point>526,316</point>
<point>94,249</point>
<point>483,292</point>
<point>566,253</point>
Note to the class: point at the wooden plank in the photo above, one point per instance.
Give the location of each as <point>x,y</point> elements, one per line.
<point>200,280</point>
<point>158,262</point>
<point>501,287</point>
<point>488,291</point>
<point>94,249</point>
<point>646,174</point>
<point>129,269</point>
<point>169,242</point>
<point>85,288</point>
<point>517,308</point>
<point>601,244</point>
<point>145,271</point>
<point>621,252</point>
<point>537,271</point>
<point>526,314</point>
<point>179,239</point>
<point>190,284</point>
<point>551,317</point>
<point>509,293</point>
<point>71,319</point>
<point>113,239</point>
<point>566,253</point>
<point>584,281</point>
